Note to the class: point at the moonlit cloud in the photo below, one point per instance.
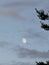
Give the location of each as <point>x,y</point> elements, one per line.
<point>22,41</point>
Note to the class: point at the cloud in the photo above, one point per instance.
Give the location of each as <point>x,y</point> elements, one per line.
<point>18,63</point>
<point>6,45</point>
<point>28,53</point>
<point>23,63</point>
<point>3,43</point>
<point>12,13</point>
<point>22,3</point>
<point>30,33</point>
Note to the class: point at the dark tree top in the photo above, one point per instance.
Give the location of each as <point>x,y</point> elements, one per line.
<point>44,26</point>
<point>42,63</point>
<point>42,15</point>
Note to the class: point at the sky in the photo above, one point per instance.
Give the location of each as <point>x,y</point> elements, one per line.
<point>22,40</point>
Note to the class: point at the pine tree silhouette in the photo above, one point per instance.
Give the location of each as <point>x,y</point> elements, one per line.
<point>44,26</point>
<point>44,17</point>
<point>42,63</point>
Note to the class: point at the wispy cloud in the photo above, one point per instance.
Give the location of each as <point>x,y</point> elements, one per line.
<point>28,53</point>
<point>23,3</point>
<point>18,63</point>
<point>3,44</point>
<point>12,13</point>
<point>24,63</point>
<point>6,45</point>
<point>30,33</point>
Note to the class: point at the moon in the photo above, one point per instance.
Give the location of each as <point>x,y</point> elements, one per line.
<point>24,40</point>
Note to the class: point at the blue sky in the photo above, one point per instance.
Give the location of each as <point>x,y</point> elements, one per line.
<point>18,19</point>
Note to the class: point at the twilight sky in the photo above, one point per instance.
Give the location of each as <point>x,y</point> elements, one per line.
<point>22,41</point>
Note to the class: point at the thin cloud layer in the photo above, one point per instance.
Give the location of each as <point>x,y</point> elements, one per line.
<point>27,53</point>
<point>6,45</point>
<point>23,3</point>
<point>12,13</point>
<point>30,33</point>
<point>23,63</point>
<point>18,63</point>
<point>3,44</point>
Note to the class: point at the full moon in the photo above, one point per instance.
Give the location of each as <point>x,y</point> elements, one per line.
<point>24,40</point>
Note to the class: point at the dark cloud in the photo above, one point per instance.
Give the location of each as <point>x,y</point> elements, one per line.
<point>28,53</point>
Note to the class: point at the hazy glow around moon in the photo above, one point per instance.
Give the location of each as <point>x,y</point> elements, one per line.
<point>24,40</point>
